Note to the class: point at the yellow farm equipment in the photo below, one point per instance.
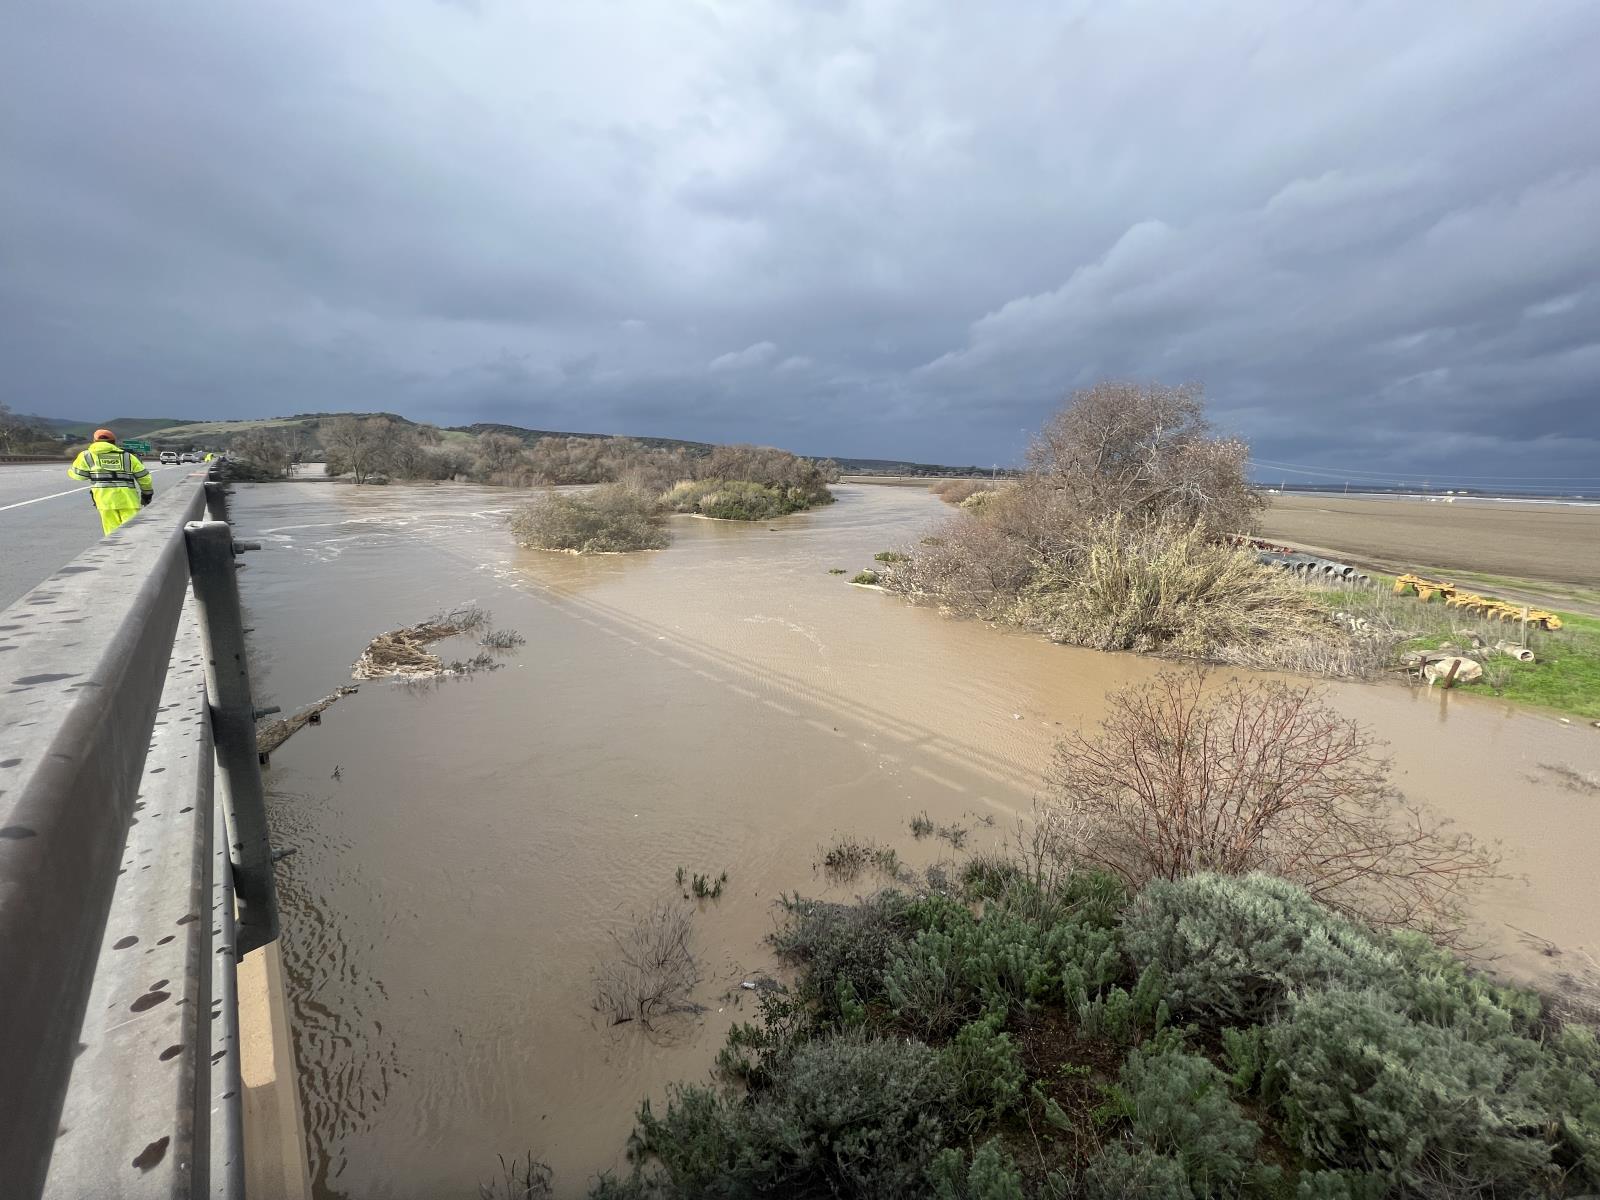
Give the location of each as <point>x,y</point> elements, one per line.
<point>1485,606</point>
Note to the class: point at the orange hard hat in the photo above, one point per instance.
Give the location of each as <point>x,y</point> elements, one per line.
<point>104,435</point>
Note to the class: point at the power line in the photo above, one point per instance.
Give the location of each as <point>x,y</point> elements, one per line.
<point>1359,473</point>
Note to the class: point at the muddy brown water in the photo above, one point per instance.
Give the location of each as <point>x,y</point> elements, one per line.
<point>465,852</point>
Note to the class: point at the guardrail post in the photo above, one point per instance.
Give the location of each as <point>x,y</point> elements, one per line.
<point>216,500</point>
<point>233,723</point>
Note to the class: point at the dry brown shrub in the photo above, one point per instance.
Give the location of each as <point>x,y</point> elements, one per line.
<point>956,491</point>
<point>1165,587</point>
<point>650,971</point>
<point>968,565</point>
<point>1258,777</point>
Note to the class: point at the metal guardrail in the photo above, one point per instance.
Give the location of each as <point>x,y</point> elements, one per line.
<point>35,458</point>
<point>126,741</point>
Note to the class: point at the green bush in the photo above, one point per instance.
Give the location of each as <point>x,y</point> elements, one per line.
<point>869,578</point>
<point>608,520</point>
<point>1120,1016</point>
<point>1360,1084</point>
<point>1339,1185</point>
<point>1119,1173</point>
<point>850,1116</point>
<point>1003,962</point>
<point>987,875</point>
<point>740,499</point>
<point>1232,948</point>
<point>986,1073</point>
<point>926,984</point>
<point>1567,1081</point>
<point>992,1175</point>
<point>1178,1105</point>
<point>843,944</point>
<point>1431,1081</point>
<point>1434,985</point>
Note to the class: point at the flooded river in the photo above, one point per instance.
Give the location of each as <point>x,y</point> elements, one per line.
<point>465,852</point>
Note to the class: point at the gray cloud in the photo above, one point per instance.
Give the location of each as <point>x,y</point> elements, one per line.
<point>859,228</point>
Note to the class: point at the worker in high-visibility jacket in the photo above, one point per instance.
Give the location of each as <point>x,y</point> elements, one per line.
<point>118,481</point>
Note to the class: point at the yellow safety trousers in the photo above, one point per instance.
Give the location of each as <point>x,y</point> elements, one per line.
<point>116,480</point>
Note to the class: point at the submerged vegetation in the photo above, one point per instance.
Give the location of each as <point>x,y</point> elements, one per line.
<point>750,483</point>
<point>733,483</point>
<point>403,653</point>
<point>611,519</point>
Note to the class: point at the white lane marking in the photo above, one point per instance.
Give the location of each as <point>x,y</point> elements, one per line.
<point>41,499</point>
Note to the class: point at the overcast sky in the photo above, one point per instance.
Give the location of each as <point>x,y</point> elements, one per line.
<point>1372,231</point>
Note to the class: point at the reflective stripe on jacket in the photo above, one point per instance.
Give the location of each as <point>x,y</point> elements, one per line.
<point>106,465</point>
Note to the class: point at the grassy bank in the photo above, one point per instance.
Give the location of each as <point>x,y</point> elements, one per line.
<point>1016,1034</point>
<point>1565,673</point>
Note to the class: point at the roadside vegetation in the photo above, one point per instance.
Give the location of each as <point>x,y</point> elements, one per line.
<point>1196,974</point>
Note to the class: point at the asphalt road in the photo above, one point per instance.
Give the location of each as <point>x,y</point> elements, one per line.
<point>48,519</point>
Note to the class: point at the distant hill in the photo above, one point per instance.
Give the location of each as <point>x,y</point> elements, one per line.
<point>533,435</point>
<point>125,427</point>
<point>165,432</point>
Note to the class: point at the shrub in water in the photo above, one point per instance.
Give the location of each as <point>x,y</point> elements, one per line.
<point>609,519</point>
<point>1003,962</point>
<point>1231,948</point>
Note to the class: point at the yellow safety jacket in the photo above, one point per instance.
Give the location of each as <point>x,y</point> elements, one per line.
<point>116,479</point>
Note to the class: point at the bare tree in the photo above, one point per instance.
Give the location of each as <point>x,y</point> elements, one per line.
<point>266,450</point>
<point>501,459</point>
<point>1144,450</point>
<point>356,445</point>
<point>1258,776</point>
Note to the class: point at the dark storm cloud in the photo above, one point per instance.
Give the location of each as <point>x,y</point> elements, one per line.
<point>1372,231</point>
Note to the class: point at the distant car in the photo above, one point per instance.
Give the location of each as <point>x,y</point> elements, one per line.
<point>189,456</point>
<point>169,458</point>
